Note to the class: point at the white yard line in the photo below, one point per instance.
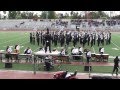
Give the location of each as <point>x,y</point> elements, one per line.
<point>20,44</point>
<point>7,37</point>
<point>36,49</point>
<point>117,35</point>
<point>23,43</point>
<point>12,40</point>
<point>116,45</point>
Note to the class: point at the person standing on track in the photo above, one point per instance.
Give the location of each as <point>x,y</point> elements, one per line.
<point>116,65</point>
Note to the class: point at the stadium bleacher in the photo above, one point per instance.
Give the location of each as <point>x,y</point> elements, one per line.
<point>57,24</point>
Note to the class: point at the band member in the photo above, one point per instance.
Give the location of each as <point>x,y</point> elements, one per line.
<point>102,39</point>
<point>84,40</point>
<point>8,52</point>
<point>74,39</point>
<point>88,55</point>
<point>37,38</point>
<point>61,39</point>
<point>98,40</point>
<point>116,66</point>
<point>70,37</point>
<point>67,39</point>
<point>109,40</point>
<point>106,38</point>
<point>43,39</point>
<point>33,39</point>
<point>88,39</point>
<point>80,50</point>
<point>91,40</point>
<point>28,51</point>
<point>30,37</point>
<point>94,38</point>
<point>75,51</point>
<point>102,50</point>
<point>81,39</point>
<point>77,37</point>
<point>47,41</point>
<point>41,49</point>
<point>17,50</point>
<point>55,39</point>
<point>52,37</point>
<point>63,52</point>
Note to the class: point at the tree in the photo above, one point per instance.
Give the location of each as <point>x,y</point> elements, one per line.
<point>4,12</point>
<point>35,16</point>
<point>12,14</point>
<point>24,15</point>
<point>43,15</point>
<point>71,13</point>
<point>18,16</point>
<point>93,15</point>
<point>102,14</point>
<point>66,16</point>
<point>30,15</point>
<point>51,15</point>
<point>74,15</point>
<point>116,17</point>
<point>79,16</point>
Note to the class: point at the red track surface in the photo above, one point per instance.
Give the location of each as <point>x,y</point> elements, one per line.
<point>14,74</point>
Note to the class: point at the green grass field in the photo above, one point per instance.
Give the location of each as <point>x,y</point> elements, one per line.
<point>64,67</point>
<point>70,68</point>
<point>22,39</point>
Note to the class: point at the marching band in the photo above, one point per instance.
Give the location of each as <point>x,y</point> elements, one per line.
<point>65,37</point>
